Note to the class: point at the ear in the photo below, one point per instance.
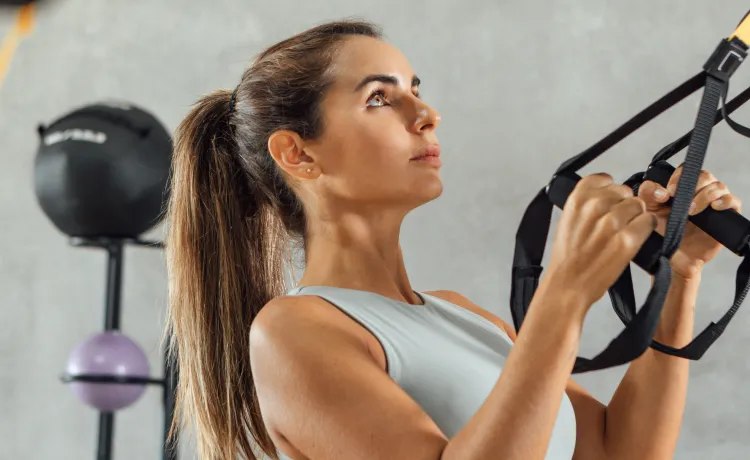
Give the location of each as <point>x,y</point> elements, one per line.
<point>288,150</point>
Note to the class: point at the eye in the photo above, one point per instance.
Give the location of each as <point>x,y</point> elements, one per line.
<point>378,98</point>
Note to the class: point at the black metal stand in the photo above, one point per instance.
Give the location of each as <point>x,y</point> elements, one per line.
<point>115,251</point>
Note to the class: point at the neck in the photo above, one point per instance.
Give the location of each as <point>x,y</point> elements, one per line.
<point>360,253</point>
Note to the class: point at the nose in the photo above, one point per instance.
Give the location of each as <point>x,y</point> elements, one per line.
<point>425,118</point>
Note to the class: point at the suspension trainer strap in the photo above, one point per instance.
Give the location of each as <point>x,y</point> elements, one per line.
<point>727,108</point>
<point>533,230</point>
<point>729,228</point>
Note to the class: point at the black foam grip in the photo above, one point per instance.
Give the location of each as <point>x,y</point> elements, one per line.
<point>561,187</point>
<point>728,227</point>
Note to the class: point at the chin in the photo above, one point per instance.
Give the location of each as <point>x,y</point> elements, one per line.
<point>428,192</point>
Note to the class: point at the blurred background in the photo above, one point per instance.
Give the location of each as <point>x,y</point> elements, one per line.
<point>521,84</point>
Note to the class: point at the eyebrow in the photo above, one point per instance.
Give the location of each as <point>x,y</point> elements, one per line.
<point>389,79</point>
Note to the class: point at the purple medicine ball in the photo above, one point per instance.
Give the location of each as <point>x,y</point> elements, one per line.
<point>108,353</point>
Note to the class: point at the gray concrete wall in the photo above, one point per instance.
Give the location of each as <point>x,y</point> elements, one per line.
<point>522,85</point>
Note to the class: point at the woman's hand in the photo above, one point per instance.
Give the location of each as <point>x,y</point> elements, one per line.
<point>601,229</point>
<point>697,246</point>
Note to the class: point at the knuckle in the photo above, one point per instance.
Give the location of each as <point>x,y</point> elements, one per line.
<point>583,182</point>
<point>576,198</point>
<point>579,203</point>
<point>625,191</point>
<point>580,198</point>
<point>596,205</point>
<point>579,188</point>
<point>715,193</point>
<point>705,175</point>
<point>627,241</point>
<point>639,204</point>
<point>596,178</point>
<point>601,175</point>
<point>609,222</point>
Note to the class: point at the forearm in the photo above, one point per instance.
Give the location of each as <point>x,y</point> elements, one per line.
<point>644,416</point>
<point>518,416</point>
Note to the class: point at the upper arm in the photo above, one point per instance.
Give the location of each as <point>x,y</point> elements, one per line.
<point>322,393</point>
<point>589,412</point>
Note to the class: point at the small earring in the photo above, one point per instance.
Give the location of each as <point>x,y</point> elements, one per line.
<point>308,170</point>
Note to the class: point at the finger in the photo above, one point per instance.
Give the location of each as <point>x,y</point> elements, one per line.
<point>622,213</point>
<point>586,191</point>
<point>618,192</point>
<point>605,198</point>
<point>595,180</point>
<point>707,195</point>
<point>595,194</point>
<point>672,183</point>
<point>728,201</point>
<point>630,240</point>
<point>704,178</point>
<point>653,194</point>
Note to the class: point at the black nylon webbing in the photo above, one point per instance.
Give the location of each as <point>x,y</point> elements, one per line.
<point>640,326</point>
<point>636,122</point>
<point>692,167</point>
<point>727,109</point>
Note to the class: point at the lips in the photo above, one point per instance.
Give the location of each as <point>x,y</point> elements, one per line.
<point>427,152</point>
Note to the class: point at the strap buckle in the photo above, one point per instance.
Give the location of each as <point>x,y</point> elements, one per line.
<point>726,59</point>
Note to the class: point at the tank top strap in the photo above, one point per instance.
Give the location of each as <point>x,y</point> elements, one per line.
<point>383,317</point>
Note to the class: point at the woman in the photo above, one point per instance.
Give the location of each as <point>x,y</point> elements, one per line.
<point>326,142</point>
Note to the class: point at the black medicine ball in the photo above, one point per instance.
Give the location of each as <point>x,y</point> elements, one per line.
<point>102,171</point>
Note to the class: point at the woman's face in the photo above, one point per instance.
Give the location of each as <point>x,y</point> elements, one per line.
<point>378,147</point>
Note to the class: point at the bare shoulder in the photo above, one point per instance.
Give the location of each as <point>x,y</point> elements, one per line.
<point>462,301</point>
<point>287,319</point>
<point>284,315</point>
<point>292,325</point>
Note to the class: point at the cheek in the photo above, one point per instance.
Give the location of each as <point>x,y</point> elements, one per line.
<point>380,146</point>
<point>371,159</point>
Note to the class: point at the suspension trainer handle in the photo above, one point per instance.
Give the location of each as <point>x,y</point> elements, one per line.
<point>728,227</point>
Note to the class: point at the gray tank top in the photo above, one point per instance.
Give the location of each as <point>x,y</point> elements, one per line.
<point>447,358</point>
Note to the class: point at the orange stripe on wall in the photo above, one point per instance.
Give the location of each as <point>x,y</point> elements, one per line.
<point>23,26</point>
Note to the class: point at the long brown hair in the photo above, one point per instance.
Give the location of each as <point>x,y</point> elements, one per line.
<point>231,216</point>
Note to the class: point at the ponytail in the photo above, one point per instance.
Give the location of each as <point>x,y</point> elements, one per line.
<point>225,260</point>
<point>232,216</point>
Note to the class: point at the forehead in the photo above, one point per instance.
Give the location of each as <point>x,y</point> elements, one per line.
<point>359,57</point>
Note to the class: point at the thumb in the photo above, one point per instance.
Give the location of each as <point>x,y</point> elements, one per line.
<point>653,194</point>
